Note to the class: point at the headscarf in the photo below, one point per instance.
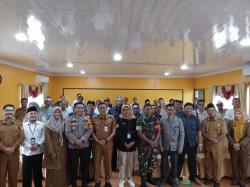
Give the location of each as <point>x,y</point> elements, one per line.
<point>56,125</point>
<point>238,126</point>
<point>130,116</point>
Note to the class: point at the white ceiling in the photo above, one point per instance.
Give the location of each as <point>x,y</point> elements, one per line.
<point>149,33</point>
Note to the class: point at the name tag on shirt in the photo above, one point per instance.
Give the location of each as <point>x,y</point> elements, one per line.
<point>128,136</point>
<point>106,129</point>
<point>32,141</point>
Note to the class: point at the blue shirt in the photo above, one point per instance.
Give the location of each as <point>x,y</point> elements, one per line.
<point>192,126</point>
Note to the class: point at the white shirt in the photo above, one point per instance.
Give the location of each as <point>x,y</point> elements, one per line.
<point>230,115</point>
<point>33,132</point>
<point>201,115</point>
<point>66,112</point>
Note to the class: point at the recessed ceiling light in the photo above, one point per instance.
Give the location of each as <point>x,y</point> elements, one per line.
<point>245,42</point>
<point>117,57</point>
<point>21,37</point>
<point>184,67</point>
<point>82,72</point>
<point>166,73</point>
<point>70,65</point>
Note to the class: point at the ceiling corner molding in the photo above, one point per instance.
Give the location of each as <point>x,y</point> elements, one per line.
<point>239,67</point>
<point>120,76</point>
<point>20,66</point>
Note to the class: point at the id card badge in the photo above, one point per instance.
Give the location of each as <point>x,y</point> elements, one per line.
<point>128,135</point>
<point>32,141</point>
<point>73,128</point>
<point>106,129</point>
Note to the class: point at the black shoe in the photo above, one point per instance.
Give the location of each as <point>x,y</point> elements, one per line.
<point>216,184</point>
<point>97,184</point>
<point>107,184</point>
<point>208,181</point>
<point>143,182</point>
<point>235,183</point>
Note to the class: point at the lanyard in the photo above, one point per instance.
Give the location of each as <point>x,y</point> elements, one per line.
<point>33,130</point>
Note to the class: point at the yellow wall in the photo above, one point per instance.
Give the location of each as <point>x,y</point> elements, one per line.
<point>132,83</point>
<point>233,77</point>
<point>10,88</point>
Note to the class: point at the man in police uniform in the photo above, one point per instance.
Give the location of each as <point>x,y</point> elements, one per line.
<point>214,132</point>
<point>149,132</point>
<point>104,126</point>
<point>78,130</point>
<point>11,137</point>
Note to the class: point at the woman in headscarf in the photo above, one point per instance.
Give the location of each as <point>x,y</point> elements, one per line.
<point>127,143</point>
<point>239,147</point>
<point>55,150</point>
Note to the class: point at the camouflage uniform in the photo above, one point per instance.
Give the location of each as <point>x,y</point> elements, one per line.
<point>147,157</point>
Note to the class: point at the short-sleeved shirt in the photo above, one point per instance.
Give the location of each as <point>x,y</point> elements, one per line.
<point>78,128</point>
<point>192,126</point>
<point>213,128</point>
<point>104,126</point>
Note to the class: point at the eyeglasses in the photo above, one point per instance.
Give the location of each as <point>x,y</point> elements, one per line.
<point>135,108</point>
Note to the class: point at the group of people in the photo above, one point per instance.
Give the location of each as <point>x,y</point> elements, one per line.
<point>58,136</point>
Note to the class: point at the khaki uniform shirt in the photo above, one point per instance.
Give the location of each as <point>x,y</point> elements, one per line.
<point>20,113</point>
<point>11,135</point>
<point>214,128</point>
<point>104,126</point>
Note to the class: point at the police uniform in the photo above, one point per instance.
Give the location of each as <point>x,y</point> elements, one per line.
<point>11,136</point>
<point>147,157</point>
<point>214,151</point>
<point>103,127</point>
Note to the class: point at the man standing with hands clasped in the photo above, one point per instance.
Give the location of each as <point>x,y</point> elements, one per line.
<point>104,130</point>
<point>78,130</point>
<point>172,143</point>
<point>32,149</point>
<point>214,131</point>
<point>11,137</point>
<point>192,141</point>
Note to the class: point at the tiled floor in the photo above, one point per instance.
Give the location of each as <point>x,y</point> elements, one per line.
<point>115,180</point>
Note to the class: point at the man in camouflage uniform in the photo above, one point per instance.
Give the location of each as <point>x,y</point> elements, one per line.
<point>149,132</point>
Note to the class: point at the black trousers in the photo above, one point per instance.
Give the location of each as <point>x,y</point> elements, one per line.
<point>165,168</point>
<point>84,155</point>
<point>191,153</point>
<point>32,165</point>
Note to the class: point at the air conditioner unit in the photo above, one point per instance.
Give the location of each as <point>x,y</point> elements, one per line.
<point>42,79</point>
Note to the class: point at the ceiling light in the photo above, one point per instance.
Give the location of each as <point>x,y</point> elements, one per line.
<point>184,67</point>
<point>21,36</point>
<point>70,65</point>
<point>82,72</point>
<point>166,73</point>
<point>117,57</point>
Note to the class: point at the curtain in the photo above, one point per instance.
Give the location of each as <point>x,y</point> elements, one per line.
<point>44,88</point>
<point>24,91</point>
<point>211,92</point>
<point>242,92</point>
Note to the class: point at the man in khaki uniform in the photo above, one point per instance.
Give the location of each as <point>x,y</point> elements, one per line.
<point>21,112</point>
<point>11,137</point>
<point>104,130</point>
<point>214,131</point>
